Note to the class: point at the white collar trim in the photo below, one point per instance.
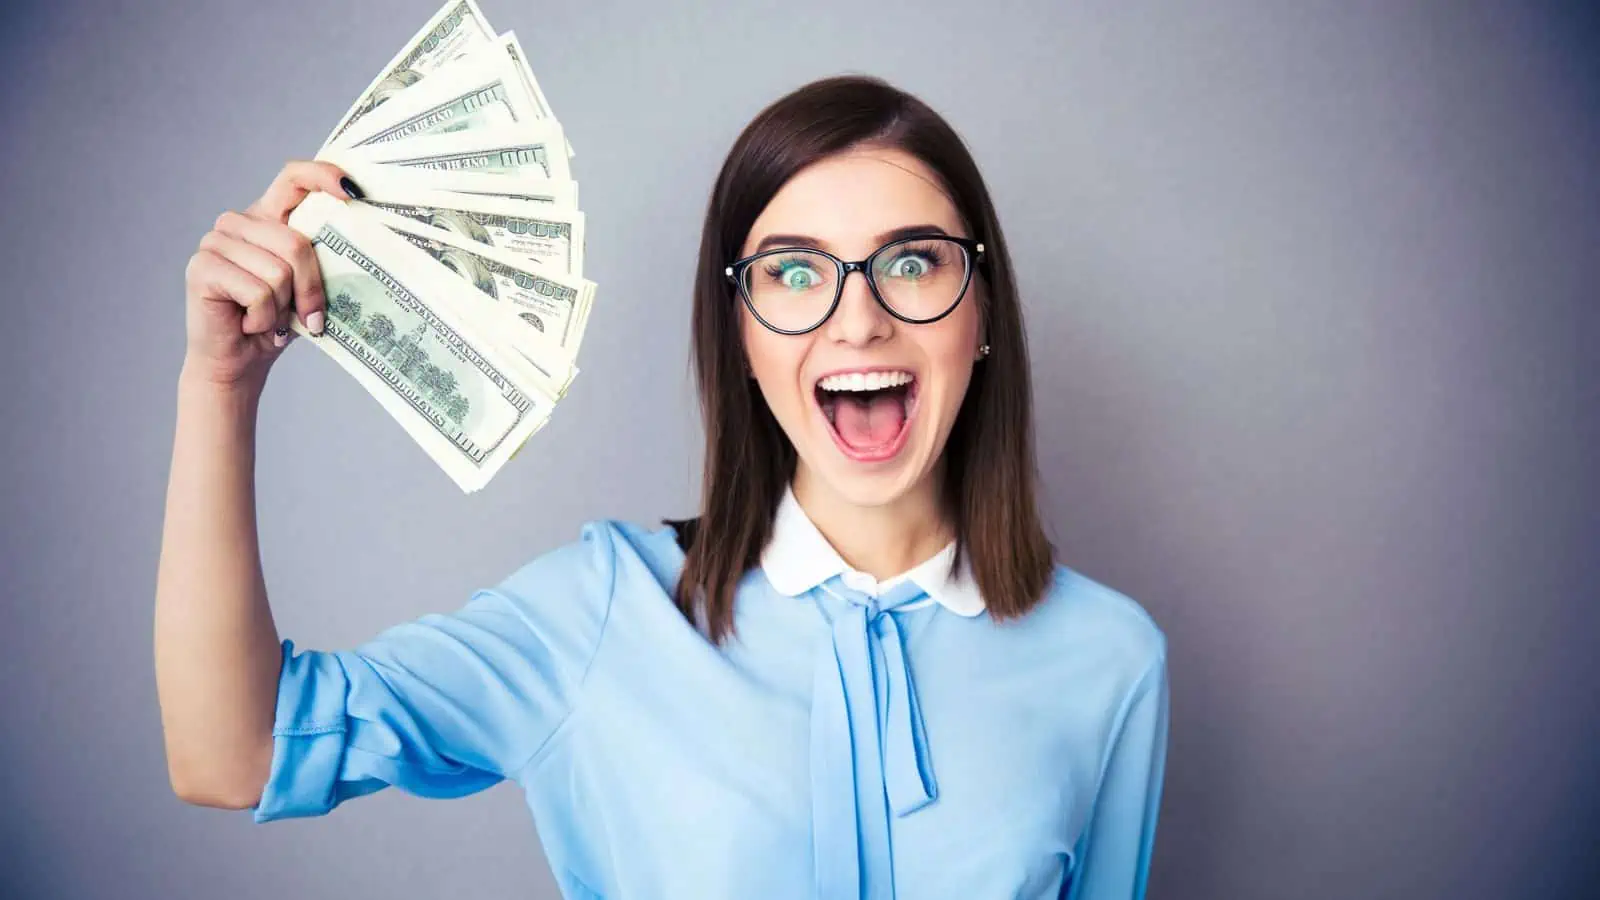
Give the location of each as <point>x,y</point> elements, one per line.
<point>798,558</point>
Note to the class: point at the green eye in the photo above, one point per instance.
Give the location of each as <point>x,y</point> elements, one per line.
<point>799,277</point>
<point>793,274</point>
<point>910,267</point>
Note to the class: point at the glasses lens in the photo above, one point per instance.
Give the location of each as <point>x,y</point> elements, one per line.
<point>921,278</point>
<point>791,290</point>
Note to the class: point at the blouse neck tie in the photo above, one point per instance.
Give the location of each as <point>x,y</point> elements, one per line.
<point>869,751</point>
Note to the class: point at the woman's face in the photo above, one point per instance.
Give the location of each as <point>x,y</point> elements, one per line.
<point>868,446</point>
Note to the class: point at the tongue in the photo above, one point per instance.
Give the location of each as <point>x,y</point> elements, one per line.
<point>867,422</point>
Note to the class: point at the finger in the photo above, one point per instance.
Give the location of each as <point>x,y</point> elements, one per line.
<point>260,262</point>
<point>293,248</point>
<point>219,279</point>
<point>298,179</point>
<point>283,331</point>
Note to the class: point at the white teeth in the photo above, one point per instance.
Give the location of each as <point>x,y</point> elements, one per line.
<point>869,381</point>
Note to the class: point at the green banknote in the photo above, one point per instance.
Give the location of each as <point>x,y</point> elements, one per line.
<point>554,307</point>
<point>457,29</point>
<point>477,91</point>
<point>412,336</point>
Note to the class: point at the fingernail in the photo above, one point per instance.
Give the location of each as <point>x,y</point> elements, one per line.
<point>315,321</point>
<point>350,188</point>
<point>280,337</point>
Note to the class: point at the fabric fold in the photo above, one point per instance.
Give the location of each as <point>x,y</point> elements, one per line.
<point>869,755</point>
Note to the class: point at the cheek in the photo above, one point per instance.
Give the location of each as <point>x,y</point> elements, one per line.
<point>951,348</point>
<point>759,347</point>
<point>971,313</point>
<point>954,347</point>
<point>775,359</point>
<point>748,335</point>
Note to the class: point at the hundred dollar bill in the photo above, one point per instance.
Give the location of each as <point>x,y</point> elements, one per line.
<point>523,148</point>
<point>513,48</point>
<point>544,234</point>
<point>395,323</point>
<point>455,30</point>
<point>554,308</point>
<point>379,179</point>
<point>476,91</point>
<point>511,326</point>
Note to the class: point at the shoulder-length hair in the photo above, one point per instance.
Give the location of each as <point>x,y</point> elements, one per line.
<point>988,463</point>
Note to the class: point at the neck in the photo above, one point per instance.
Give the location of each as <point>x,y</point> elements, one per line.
<point>882,541</point>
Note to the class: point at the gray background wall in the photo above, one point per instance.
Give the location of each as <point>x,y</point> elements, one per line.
<point>1312,301</point>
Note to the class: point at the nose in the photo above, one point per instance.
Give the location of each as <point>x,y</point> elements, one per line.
<point>859,320</point>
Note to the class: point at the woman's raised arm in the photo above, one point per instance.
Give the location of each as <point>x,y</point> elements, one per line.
<point>216,648</point>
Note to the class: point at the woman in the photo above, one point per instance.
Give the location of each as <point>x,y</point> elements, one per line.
<point>856,674</point>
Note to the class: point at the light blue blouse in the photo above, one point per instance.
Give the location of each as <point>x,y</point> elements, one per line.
<point>847,743</point>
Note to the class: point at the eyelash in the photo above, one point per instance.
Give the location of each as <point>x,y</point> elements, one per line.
<point>778,266</point>
<point>773,270</point>
<point>934,257</point>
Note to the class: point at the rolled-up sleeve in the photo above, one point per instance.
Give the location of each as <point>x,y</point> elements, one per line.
<point>446,705</point>
<point>1115,847</point>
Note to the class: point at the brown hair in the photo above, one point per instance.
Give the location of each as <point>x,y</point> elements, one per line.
<point>988,467</point>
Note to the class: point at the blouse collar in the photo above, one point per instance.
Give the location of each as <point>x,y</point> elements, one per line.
<point>798,558</point>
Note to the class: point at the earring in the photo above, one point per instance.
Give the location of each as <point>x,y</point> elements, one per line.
<point>983,351</point>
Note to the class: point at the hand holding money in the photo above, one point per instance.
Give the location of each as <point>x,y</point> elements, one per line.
<point>251,276</point>
<point>451,286</point>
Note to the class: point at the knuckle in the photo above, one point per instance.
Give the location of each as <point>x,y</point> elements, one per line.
<point>282,280</point>
<point>294,171</point>
<point>224,221</point>
<point>199,261</point>
<point>262,296</point>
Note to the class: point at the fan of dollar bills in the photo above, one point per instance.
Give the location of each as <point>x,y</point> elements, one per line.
<point>455,288</point>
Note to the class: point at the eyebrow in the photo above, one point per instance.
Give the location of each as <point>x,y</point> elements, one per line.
<point>801,240</point>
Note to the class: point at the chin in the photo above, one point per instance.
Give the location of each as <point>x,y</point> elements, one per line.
<point>867,490</point>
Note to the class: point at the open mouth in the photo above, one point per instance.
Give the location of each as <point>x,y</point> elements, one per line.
<point>868,413</point>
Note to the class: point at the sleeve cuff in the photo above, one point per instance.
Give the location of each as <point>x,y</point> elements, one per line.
<point>308,737</point>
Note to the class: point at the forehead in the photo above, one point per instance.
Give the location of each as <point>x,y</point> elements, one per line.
<point>847,200</point>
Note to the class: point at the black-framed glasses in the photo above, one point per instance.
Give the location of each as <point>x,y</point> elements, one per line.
<point>918,279</point>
